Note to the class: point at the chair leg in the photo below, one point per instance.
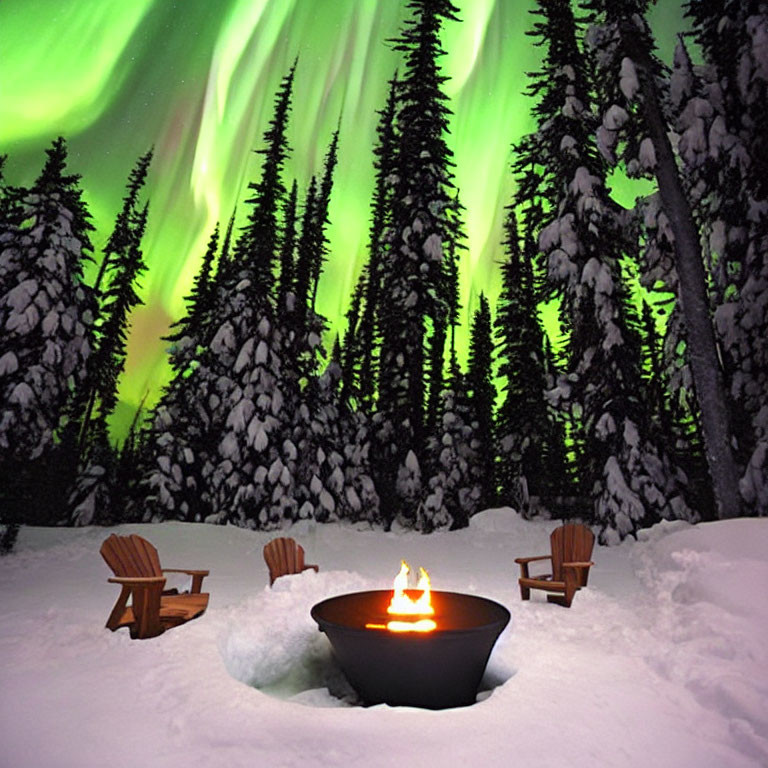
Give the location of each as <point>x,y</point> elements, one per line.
<point>113,622</point>
<point>146,609</point>
<point>571,585</point>
<point>525,593</point>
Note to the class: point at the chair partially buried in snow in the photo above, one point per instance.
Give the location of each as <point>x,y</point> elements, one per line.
<point>153,608</point>
<point>571,546</point>
<point>283,557</point>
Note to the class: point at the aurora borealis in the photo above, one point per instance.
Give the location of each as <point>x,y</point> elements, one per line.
<point>196,80</point>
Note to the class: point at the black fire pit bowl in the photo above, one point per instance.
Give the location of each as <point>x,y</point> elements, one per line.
<point>434,670</point>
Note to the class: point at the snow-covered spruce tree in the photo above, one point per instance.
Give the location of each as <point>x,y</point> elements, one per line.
<point>85,443</point>
<point>93,499</point>
<point>674,408</point>
<point>721,110</point>
<point>454,491</point>
<point>181,443</point>
<point>362,341</point>
<point>443,327</point>
<point>523,429</point>
<point>251,477</point>
<point>631,95</point>
<point>46,317</point>
<point>630,479</point>
<point>305,325</point>
<point>418,232</point>
<point>332,468</point>
<point>482,398</point>
<point>683,416</point>
<point>732,37</point>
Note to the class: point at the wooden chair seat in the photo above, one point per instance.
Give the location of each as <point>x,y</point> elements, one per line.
<point>571,546</point>
<point>172,612</point>
<point>283,557</point>
<point>153,609</point>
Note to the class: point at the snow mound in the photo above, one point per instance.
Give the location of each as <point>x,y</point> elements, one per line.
<point>270,641</point>
<point>501,520</point>
<point>709,611</point>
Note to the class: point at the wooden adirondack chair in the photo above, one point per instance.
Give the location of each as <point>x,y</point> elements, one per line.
<point>283,557</point>
<point>136,566</point>
<point>571,549</point>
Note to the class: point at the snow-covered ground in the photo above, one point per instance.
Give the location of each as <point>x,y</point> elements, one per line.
<point>661,661</point>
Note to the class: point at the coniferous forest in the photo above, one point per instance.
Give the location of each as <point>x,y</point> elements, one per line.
<point>653,406</point>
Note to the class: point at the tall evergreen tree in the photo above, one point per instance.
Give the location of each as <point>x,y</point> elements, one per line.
<point>259,240</point>
<point>46,313</point>
<point>121,232</point>
<point>482,394</point>
<point>362,343</point>
<point>224,454</point>
<point>454,489</point>
<point>418,232</point>
<point>306,326</point>
<point>523,422</point>
<point>363,339</point>
<point>631,95</point>
<point>121,265</point>
<point>321,214</point>
<point>179,435</point>
<point>251,474</point>
<point>332,474</point>
<point>631,482</point>
<point>93,497</point>
<point>721,111</point>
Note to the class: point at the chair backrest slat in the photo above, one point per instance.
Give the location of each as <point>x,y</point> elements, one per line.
<point>571,542</point>
<point>131,556</point>
<point>283,556</point>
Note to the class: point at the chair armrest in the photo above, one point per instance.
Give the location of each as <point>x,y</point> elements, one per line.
<point>578,565</point>
<point>197,577</point>
<point>523,563</point>
<point>136,581</point>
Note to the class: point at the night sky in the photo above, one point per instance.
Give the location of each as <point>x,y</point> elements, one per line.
<point>196,80</point>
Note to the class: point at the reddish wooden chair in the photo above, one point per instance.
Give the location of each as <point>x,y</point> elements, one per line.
<point>571,546</point>
<point>283,557</point>
<point>136,566</point>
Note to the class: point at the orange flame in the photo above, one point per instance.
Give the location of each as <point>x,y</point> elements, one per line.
<point>402,604</point>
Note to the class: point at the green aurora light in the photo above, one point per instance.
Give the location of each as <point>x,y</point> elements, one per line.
<point>196,80</point>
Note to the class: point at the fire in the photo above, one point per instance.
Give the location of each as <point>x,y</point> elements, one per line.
<point>402,604</point>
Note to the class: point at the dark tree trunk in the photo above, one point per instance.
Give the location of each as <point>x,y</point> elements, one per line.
<point>702,348</point>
